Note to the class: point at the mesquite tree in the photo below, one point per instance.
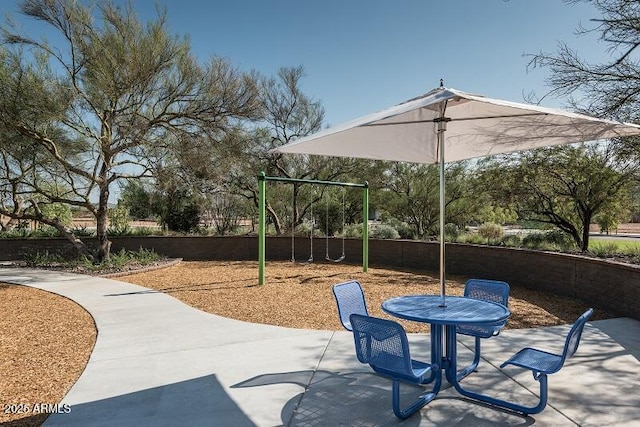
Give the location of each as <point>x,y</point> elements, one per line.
<point>103,102</point>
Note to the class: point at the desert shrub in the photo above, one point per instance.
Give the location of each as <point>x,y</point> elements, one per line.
<point>119,220</point>
<point>634,251</point>
<point>551,240</point>
<point>512,241</point>
<point>183,219</point>
<point>305,228</point>
<point>118,259</point>
<point>20,230</point>
<point>384,231</point>
<point>451,231</point>
<point>405,231</point>
<point>144,231</point>
<point>115,232</point>
<point>472,238</point>
<point>43,231</point>
<point>58,211</point>
<point>14,233</point>
<point>83,232</point>
<point>533,240</point>
<point>563,240</point>
<point>43,259</point>
<point>604,250</point>
<point>353,231</point>
<point>491,231</point>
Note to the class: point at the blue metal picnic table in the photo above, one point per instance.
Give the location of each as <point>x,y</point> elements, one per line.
<point>456,311</point>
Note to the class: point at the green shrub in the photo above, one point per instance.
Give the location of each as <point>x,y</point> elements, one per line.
<point>384,231</point>
<point>43,259</point>
<point>43,231</point>
<point>353,231</point>
<point>405,231</point>
<point>551,240</point>
<point>472,238</point>
<point>451,231</point>
<point>144,231</point>
<point>61,212</point>
<point>83,232</point>
<point>305,228</point>
<point>491,231</point>
<point>512,241</point>
<point>177,211</point>
<point>146,256</point>
<point>117,259</point>
<point>16,233</point>
<point>604,250</point>
<point>119,220</point>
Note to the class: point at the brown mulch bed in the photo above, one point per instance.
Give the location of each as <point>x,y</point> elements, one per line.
<point>45,343</point>
<point>300,296</point>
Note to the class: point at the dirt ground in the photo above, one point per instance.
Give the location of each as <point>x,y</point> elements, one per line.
<point>300,296</point>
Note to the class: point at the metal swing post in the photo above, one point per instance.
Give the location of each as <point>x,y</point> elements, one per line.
<point>261,226</point>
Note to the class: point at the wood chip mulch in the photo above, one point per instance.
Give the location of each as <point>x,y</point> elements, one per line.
<point>45,343</point>
<point>300,296</point>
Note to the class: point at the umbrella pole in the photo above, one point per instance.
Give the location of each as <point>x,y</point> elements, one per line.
<point>442,127</point>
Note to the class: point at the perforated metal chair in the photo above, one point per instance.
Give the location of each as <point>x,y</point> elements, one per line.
<point>350,299</point>
<point>384,346</point>
<point>542,363</point>
<point>488,290</point>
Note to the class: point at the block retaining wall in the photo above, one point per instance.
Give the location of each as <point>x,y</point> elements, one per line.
<point>610,285</point>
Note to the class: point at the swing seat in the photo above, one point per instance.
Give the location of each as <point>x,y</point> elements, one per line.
<point>342,257</point>
<point>328,258</point>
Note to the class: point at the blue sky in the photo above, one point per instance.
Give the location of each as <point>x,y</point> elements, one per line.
<point>363,56</point>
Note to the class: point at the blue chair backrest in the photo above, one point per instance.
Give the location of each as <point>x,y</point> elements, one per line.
<point>573,338</point>
<point>382,344</point>
<point>488,290</point>
<point>350,300</point>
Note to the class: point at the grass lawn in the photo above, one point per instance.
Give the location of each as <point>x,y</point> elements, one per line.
<point>620,245</point>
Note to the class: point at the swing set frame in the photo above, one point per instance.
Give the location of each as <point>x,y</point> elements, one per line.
<point>262,180</point>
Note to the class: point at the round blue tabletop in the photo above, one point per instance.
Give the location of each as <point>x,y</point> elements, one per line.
<point>457,310</point>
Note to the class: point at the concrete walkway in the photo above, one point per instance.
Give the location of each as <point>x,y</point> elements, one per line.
<point>159,362</point>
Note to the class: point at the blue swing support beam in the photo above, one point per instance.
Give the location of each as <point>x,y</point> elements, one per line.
<point>262,180</point>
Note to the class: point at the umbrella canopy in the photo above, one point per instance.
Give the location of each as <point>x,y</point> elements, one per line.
<point>477,127</point>
<point>447,125</point>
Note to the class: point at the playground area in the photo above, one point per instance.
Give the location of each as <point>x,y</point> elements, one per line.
<point>294,295</point>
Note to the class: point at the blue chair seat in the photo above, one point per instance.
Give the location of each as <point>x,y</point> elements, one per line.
<point>480,331</point>
<point>384,346</point>
<point>350,299</point>
<point>487,290</point>
<point>542,363</point>
<point>537,360</point>
<point>419,371</point>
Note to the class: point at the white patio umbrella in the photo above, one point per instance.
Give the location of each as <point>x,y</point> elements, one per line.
<point>474,126</point>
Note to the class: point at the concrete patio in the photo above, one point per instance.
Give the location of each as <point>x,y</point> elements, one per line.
<point>160,362</point>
